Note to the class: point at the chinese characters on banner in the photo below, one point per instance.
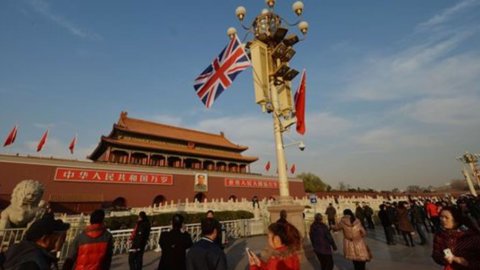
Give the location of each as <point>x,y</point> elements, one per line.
<point>250,183</point>
<point>116,177</point>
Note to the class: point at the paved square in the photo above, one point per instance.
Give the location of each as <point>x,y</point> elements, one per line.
<point>398,257</point>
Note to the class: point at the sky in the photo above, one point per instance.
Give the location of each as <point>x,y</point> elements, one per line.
<point>393,87</point>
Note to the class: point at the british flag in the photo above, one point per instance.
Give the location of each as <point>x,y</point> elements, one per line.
<point>220,74</point>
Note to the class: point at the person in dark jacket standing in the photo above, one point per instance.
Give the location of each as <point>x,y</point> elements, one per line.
<point>322,242</point>
<point>404,224</point>
<point>387,224</point>
<point>139,239</point>
<point>360,214</point>
<point>368,211</point>
<point>218,226</point>
<point>418,221</point>
<point>33,253</point>
<point>93,248</point>
<point>174,244</point>
<point>205,254</point>
<point>331,213</point>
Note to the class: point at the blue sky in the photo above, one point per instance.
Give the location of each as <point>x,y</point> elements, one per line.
<point>393,87</point>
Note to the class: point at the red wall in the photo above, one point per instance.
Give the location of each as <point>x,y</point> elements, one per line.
<point>136,195</point>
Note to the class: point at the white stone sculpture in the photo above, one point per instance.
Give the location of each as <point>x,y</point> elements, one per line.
<point>24,206</point>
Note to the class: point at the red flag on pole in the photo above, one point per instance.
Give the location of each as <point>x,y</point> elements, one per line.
<point>42,141</point>
<point>292,169</point>
<point>72,144</point>
<point>267,166</point>
<point>11,137</point>
<point>300,105</point>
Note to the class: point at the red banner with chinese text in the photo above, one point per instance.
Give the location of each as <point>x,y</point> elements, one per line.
<point>250,183</point>
<point>115,177</point>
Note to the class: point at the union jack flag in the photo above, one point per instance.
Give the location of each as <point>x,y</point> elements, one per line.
<point>220,74</point>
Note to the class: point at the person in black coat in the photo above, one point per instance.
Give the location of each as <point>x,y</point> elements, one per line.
<point>174,244</point>
<point>139,238</point>
<point>387,224</point>
<point>205,254</point>
<point>218,226</point>
<point>322,242</point>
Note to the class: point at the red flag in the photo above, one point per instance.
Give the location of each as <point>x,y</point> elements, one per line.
<point>72,144</point>
<point>300,105</point>
<point>42,141</point>
<point>292,169</point>
<point>267,166</point>
<point>11,137</point>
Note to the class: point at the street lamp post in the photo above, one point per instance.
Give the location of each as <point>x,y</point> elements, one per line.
<point>270,51</point>
<point>471,160</point>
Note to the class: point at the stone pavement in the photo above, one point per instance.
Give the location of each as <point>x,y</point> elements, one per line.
<point>398,257</point>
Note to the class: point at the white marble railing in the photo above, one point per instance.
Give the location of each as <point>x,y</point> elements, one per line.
<point>344,202</point>
<point>9,237</point>
<point>246,205</point>
<point>232,229</point>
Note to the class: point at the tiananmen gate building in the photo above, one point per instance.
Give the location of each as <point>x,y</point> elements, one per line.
<point>141,163</point>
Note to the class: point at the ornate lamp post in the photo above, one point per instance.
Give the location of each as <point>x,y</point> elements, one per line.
<point>471,160</point>
<point>270,51</point>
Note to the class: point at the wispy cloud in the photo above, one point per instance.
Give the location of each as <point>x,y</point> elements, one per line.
<point>326,124</point>
<point>455,111</point>
<point>447,14</point>
<point>424,68</point>
<point>387,139</point>
<point>255,131</point>
<point>44,9</point>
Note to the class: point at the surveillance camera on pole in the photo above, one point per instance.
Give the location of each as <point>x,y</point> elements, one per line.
<point>301,146</point>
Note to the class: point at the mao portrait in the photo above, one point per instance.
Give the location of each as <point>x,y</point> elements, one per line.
<point>201,182</point>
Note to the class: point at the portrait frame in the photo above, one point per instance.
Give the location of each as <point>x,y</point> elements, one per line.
<point>201,182</point>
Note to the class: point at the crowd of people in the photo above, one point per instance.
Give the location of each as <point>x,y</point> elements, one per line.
<point>454,225</point>
<point>91,249</point>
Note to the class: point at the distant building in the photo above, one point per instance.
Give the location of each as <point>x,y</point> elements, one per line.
<point>142,163</point>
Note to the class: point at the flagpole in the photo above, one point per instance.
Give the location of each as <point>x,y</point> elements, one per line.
<point>270,52</point>
<point>281,161</point>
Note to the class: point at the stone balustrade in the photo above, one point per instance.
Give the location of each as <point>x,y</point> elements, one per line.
<point>231,229</point>
<point>320,206</point>
<point>262,213</point>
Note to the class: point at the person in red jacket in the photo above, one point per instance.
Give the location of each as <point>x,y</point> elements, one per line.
<point>433,215</point>
<point>456,246</point>
<point>284,243</point>
<point>93,248</point>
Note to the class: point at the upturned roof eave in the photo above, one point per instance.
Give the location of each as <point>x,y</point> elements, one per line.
<point>232,146</point>
<point>111,141</point>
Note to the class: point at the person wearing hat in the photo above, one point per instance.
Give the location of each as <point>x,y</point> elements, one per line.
<point>44,237</point>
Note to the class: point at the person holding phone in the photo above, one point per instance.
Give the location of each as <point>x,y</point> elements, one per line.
<point>284,243</point>
<point>457,245</point>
